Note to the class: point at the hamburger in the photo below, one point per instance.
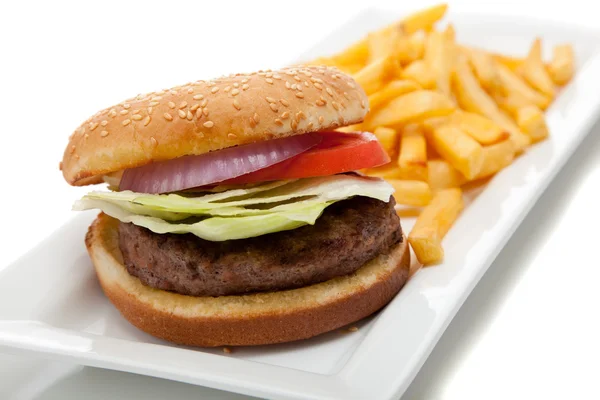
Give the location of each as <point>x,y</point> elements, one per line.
<point>235,213</point>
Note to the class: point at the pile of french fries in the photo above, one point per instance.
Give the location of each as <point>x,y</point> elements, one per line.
<point>449,116</point>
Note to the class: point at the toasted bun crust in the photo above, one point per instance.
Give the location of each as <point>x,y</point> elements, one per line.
<point>204,116</point>
<point>254,319</point>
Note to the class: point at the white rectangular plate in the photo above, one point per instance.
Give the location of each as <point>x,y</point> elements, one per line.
<point>62,312</point>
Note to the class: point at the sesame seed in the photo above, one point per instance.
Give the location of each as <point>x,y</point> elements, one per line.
<point>321,119</point>
<point>104,123</point>
<point>104,133</point>
<point>227,89</point>
<point>236,85</point>
<point>136,117</point>
<point>173,92</point>
<point>310,125</point>
<point>72,149</point>
<point>194,107</point>
<point>306,83</point>
<point>208,124</point>
<point>270,99</point>
<point>335,105</point>
<point>183,104</point>
<point>245,86</point>
<point>316,80</point>
<point>198,97</point>
<point>320,103</point>
<point>252,122</point>
<point>182,114</point>
<point>126,122</point>
<point>296,77</point>
<point>300,115</point>
<point>284,102</point>
<point>127,106</point>
<point>362,104</point>
<point>124,112</point>
<point>256,118</point>
<point>300,95</point>
<point>153,103</point>
<point>294,125</point>
<point>189,116</point>
<point>294,86</point>
<point>112,113</point>
<point>287,85</point>
<point>203,103</point>
<point>329,91</point>
<point>285,115</point>
<point>135,112</point>
<point>274,107</point>
<point>146,120</point>
<point>278,122</point>
<point>231,136</point>
<point>270,74</point>
<point>235,92</point>
<point>276,76</point>
<point>168,116</point>
<point>150,109</point>
<point>205,111</point>
<point>214,90</point>
<point>171,104</point>
<point>236,104</point>
<point>190,90</point>
<point>318,86</point>
<point>336,76</point>
<point>351,85</point>
<point>93,126</point>
<point>245,80</point>
<point>269,81</point>
<point>156,98</point>
<point>199,113</point>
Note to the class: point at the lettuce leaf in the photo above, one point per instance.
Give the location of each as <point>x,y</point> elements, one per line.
<point>238,212</point>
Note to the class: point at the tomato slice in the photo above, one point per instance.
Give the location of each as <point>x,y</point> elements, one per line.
<point>338,152</point>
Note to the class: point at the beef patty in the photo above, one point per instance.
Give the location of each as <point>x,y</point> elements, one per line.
<point>347,235</point>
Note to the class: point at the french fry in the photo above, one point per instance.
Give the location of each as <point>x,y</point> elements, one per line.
<point>496,157</point>
<point>562,66</point>
<point>412,159</point>
<point>512,63</point>
<point>511,103</point>
<point>357,53</point>
<point>372,77</point>
<point>382,44</point>
<point>418,71</point>
<point>438,57</point>
<point>424,19</point>
<point>388,138</point>
<point>442,175</point>
<point>411,193</point>
<point>480,128</point>
<point>450,33</point>
<point>433,224</point>
<point>484,67</point>
<point>412,107</point>
<point>535,72</point>
<point>458,148</point>
<point>388,171</point>
<point>472,97</point>
<point>416,43</point>
<point>350,68</point>
<point>391,91</point>
<point>531,120</point>
<point>513,84</point>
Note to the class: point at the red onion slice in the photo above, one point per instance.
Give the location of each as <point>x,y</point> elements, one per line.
<point>205,169</point>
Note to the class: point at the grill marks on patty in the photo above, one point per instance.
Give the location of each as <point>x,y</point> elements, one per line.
<point>345,237</point>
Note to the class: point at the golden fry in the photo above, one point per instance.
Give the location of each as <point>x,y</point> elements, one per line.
<point>411,193</point>
<point>450,33</point>
<point>531,120</point>
<point>512,63</point>
<point>485,69</point>
<point>458,148</point>
<point>413,154</point>
<point>412,107</point>
<point>388,171</point>
<point>416,44</point>
<point>439,59</point>
<point>388,138</point>
<point>472,97</point>
<point>391,91</point>
<point>511,103</point>
<point>496,157</point>
<point>383,44</point>
<point>513,84</point>
<point>433,224</point>
<point>373,76</point>
<point>424,19</point>
<point>562,66</point>
<point>442,175</point>
<point>480,128</point>
<point>357,53</point>
<point>418,71</point>
<point>535,72</point>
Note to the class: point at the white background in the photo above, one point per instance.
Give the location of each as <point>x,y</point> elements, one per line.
<point>529,330</point>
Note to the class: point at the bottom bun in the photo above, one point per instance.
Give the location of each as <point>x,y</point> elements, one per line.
<point>243,320</point>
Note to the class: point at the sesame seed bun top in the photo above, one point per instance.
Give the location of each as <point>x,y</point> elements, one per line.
<point>204,116</point>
